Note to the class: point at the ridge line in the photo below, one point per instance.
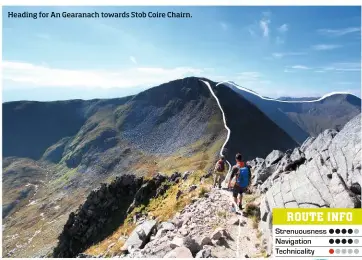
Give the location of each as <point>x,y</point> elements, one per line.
<point>285,101</point>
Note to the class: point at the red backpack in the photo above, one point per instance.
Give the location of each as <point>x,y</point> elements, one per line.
<point>220,166</point>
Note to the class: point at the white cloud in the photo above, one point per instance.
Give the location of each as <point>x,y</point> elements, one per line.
<point>283,28</point>
<point>31,75</point>
<point>343,67</point>
<point>339,32</point>
<point>288,71</point>
<point>325,47</point>
<point>133,59</point>
<point>264,26</point>
<point>283,54</point>
<point>300,67</point>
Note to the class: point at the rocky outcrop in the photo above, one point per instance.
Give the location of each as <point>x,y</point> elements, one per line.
<point>88,223</point>
<point>203,229</point>
<point>140,236</point>
<point>105,209</point>
<point>324,172</point>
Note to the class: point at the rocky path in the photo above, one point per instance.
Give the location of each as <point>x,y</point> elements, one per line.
<point>205,228</point>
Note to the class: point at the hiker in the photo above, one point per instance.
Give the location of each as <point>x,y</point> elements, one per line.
<point>242,174</point>
<point>219,172</point>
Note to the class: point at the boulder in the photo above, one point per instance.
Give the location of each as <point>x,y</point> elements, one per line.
<point>179,252</point>
<point>273,157</point>
<point>255,162</point>
<point>187,242</point>
<point>166,225</point>
<point>262,173</point>
<point>297,156</point>
<point>204,253</point>
<point>218,233</point>
<point>205,241</point>
<point>140,235</point>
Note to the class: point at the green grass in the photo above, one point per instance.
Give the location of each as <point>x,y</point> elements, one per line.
<point>203,191</point>
<point>222,214</point>
<point>253,212</point>
<point>66,177</point>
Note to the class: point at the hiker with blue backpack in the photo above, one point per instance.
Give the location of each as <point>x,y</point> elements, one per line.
<point>242,174</point>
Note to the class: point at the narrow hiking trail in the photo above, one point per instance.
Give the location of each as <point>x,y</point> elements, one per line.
<point>208,222</point>
<point>226,127</point>
<point>240,229</point>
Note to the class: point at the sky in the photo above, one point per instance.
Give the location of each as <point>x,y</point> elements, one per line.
<point>275,51</point>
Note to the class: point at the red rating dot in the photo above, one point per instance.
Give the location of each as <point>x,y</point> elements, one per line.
<point>331,251</point>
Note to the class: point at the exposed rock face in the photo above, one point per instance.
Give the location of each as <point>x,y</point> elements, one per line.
<point>148,191</point>
<point>104,210</point>
<point>324,172</point>
<point>88,223</point>
<point>273,157</point>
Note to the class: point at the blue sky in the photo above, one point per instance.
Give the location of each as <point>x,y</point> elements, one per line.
<point>276,51</point>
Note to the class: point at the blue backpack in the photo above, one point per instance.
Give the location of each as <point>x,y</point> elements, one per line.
<point>243,178</point>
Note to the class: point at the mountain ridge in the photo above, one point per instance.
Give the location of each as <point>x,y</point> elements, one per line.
<point>301,119</point>
<point>174,127</point>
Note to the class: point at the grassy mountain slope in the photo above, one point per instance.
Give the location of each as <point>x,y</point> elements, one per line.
<point>68,148</point>
<point>175,126</point>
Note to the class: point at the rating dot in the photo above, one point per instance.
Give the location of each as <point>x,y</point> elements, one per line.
<point>356,241</point>
<point>350,251</point>
<point>331,241</point>
<point>338,231</point>
<point>356,251</point>
<point>338,241</point>
<point>338,251</point>
<point>331,251</point>
<point>356,231</point>
<point>350,241</point>
<point>344,231</point>
<point>344,241</point>
<point>350,231</point>
<point>331,231</point>
<point>344,251</point>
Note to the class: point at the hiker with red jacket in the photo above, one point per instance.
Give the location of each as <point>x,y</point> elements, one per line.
<point>242,174</point>
<point>219,172</point>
